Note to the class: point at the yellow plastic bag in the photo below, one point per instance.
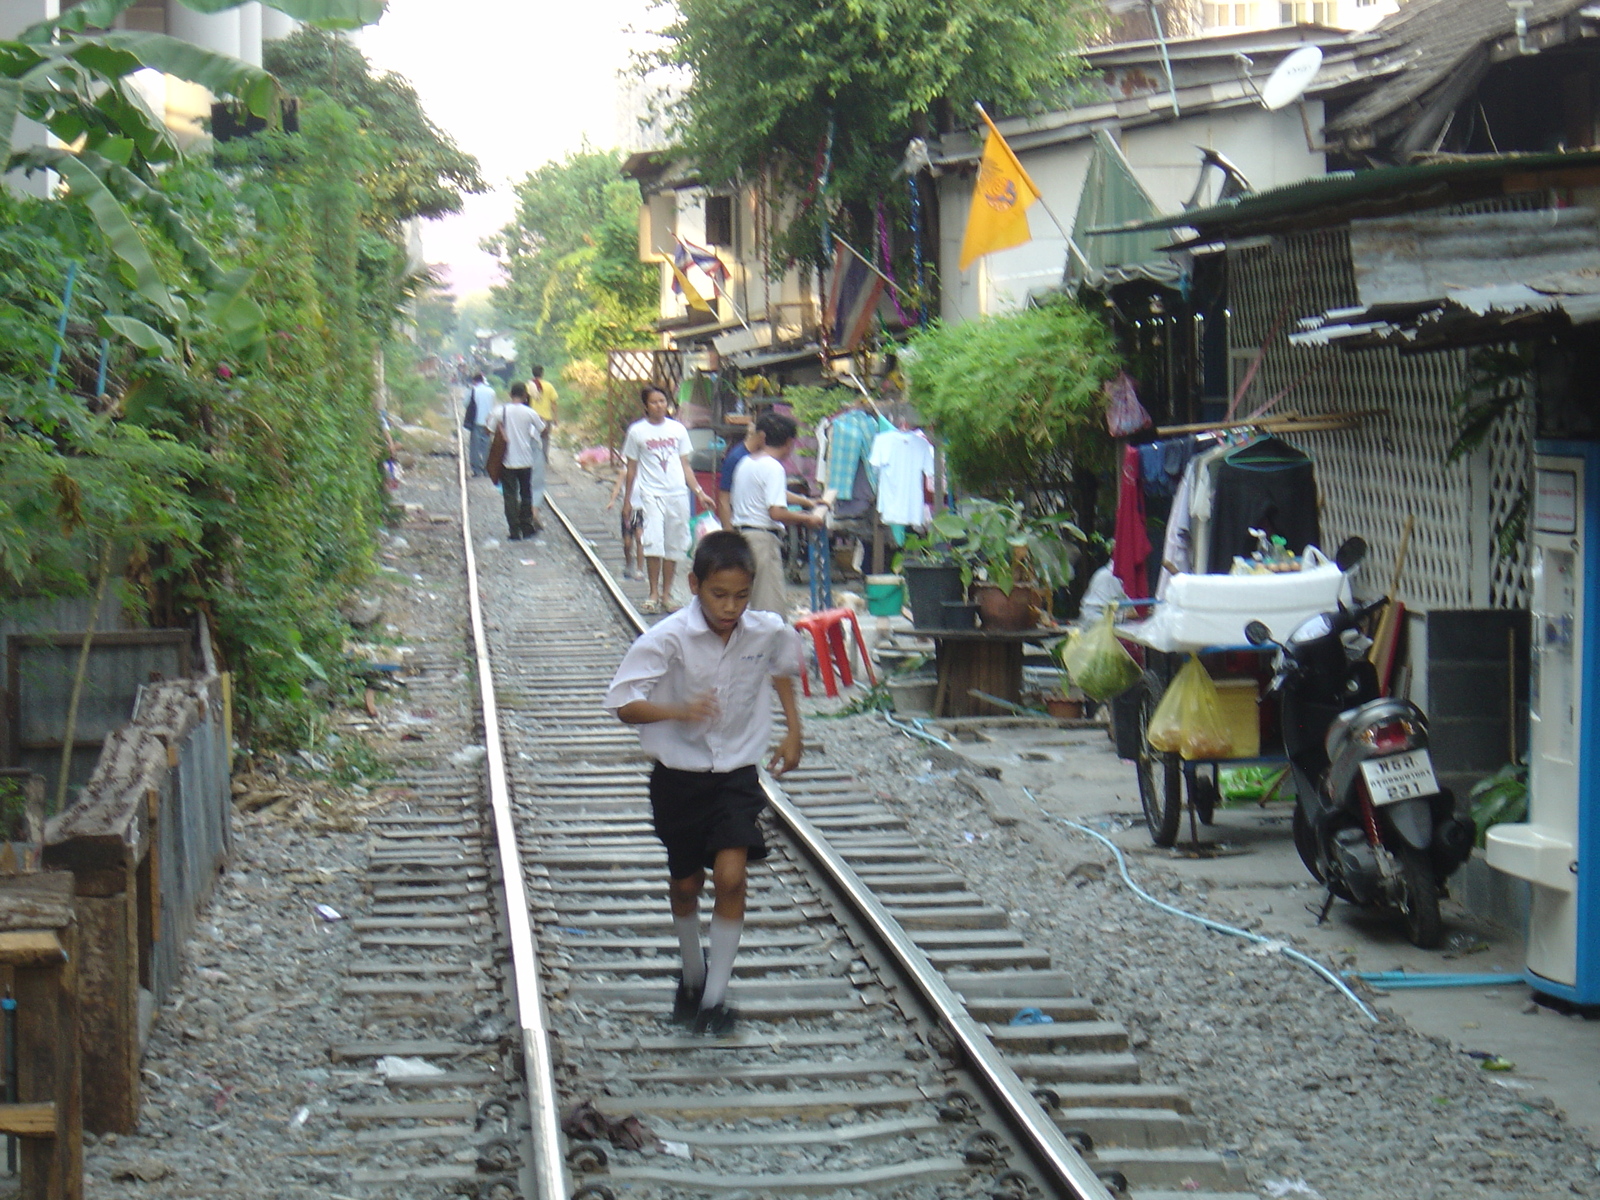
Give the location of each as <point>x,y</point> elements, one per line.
<point>1098,664</point>
<point>1188,721</point>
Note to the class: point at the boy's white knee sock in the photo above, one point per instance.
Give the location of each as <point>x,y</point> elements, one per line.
<point>719,965</point>
<point>694,962</point>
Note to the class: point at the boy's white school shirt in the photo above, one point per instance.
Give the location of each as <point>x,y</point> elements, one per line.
<point>681,657</point>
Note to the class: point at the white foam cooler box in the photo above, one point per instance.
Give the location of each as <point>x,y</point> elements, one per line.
<point>1198,611</point>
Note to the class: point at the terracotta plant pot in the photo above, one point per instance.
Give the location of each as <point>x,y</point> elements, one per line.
<point>1019,610</point>
<point>1063,707</point>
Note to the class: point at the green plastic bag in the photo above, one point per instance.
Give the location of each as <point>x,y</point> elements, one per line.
<point>1097,662</point>
<point>1188,720</point>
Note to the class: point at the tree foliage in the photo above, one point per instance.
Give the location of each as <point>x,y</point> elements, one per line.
<point>228,469</point>
<point>412,168</point>
<point>785,91</point>
<point>1006,392</point>
<point>574,284</point>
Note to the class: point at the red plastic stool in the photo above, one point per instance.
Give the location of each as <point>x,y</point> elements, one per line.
<point>827,633</point>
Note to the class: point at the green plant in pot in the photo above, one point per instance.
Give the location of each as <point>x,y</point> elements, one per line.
<point>1010,561</point>
<point>933,582</point>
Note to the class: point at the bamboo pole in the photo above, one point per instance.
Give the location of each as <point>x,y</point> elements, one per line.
<point>70,732</point>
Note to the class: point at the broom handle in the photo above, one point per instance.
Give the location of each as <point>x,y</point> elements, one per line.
<point>1400,558</point>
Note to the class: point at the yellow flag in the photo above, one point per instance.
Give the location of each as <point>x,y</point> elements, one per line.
<point>998,218</point>
<point>690,292</point>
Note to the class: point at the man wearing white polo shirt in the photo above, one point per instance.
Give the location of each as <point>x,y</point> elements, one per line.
<point>760,509</point>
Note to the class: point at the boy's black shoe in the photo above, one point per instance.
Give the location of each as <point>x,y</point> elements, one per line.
<point>686,1003</point>
<point>716,1021</point>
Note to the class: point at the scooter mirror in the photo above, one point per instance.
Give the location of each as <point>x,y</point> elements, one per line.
<point>1257,634</point>
<point>1349,556</point>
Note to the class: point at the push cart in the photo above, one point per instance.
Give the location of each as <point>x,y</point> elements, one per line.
<point>1242,674</point>
<point>1205,615</point>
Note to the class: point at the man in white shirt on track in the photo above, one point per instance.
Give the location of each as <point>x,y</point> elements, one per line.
<point>760,509</point>
<point>522,469</point>
<point>657,450</point>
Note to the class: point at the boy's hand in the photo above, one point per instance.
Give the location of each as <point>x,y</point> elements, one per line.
<point>787,756</point>
<point>701,708</point>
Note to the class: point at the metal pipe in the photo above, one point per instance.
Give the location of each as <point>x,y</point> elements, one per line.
<point>9,1006</point>
<point>61,323</point>
<point>549,1173</point>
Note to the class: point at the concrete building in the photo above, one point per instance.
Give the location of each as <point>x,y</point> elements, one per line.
<point>239,32</point>
<point>1162,126</point>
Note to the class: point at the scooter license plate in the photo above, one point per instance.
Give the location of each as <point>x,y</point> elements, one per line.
<point>1399,777</point>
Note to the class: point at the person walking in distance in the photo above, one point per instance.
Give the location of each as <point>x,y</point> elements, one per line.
<point>760,509</point>
<point>480,403</point>
<point>523,461</point>
<point>699,686</point>
<point>543,400</point>
<point>657,451</point>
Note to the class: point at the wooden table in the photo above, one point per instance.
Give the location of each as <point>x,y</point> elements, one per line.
<point>989,660</point>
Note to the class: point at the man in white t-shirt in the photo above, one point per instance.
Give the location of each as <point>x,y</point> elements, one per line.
<point>760,509</point>
<point>657,451</point>
<point>522,469</point>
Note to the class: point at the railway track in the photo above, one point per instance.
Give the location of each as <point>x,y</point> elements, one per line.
<point>517,942</point>
<point>876,1056</point>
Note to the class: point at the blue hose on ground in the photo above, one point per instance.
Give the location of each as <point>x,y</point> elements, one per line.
<point>915,730</point>
<point>1390,980</point>
<point>1215,926</point>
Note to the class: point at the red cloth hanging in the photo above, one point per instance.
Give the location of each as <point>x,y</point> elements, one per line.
<point>1130,556</point>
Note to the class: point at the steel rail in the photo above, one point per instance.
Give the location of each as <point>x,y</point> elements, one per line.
<point>549,1173</point>
<point>1051,1150</point>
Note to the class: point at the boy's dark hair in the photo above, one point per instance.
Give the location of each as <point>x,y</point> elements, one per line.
<point>778,429</point>
<point>519,391</point>
<point>644,393</point>
<point>477,377</point>
<point>722,551</point>
<point>538,372</point>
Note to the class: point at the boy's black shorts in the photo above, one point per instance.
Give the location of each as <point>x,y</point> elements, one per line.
<point>698,813</point>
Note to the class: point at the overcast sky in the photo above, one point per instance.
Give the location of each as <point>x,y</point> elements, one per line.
<point>516,82</point>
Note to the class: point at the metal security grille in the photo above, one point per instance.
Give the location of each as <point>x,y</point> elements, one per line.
<point>1374,476</point>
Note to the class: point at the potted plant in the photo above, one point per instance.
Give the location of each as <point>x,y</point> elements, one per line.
<point>1010,561</point>
<point>933,578</point>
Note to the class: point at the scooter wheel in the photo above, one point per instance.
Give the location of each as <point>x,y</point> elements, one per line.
<point>1419,899</point>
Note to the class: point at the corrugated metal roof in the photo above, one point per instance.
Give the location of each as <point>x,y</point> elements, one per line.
<point>1436,39</point>
<point>1347,195</point>
<point>1432,279</point>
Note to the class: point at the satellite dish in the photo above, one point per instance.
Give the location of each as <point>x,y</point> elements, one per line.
<point>1292,77</point>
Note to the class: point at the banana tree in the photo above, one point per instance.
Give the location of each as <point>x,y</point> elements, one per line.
<point>73,75</point>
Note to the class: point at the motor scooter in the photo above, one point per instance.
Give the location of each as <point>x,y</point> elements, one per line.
<point>1371,822</point>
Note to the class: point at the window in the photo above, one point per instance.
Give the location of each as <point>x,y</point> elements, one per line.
<point>1226,16</point>
<point>719,220</point>
<point>1315,12</point>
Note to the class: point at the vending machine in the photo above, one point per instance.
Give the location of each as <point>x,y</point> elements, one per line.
<point>1557,850</point>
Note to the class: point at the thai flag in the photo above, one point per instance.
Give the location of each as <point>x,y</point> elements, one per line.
<point>852,300</point>
<point>707,261</point>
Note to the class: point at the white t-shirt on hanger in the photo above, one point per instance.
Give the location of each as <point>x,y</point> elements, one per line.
<point>904,461</point>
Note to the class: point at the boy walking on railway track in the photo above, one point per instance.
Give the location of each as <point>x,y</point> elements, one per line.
<point>699,685</point>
